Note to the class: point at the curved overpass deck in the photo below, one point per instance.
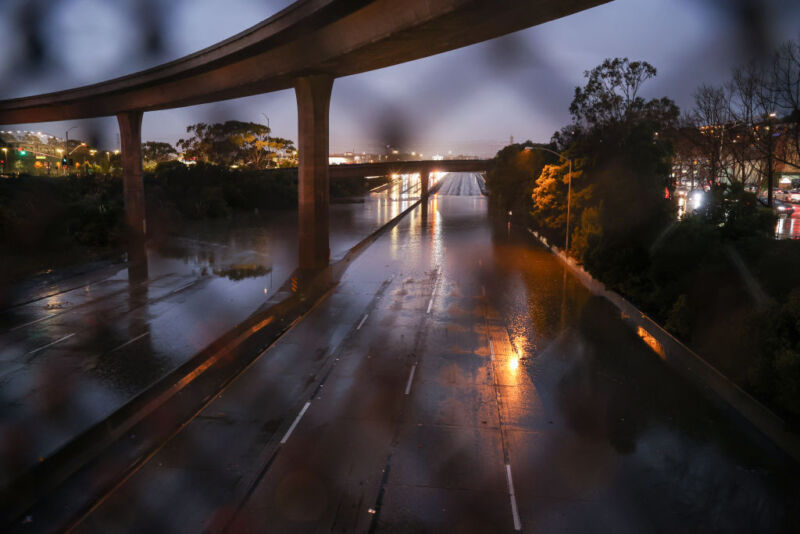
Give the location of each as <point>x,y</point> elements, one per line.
<point>305,46</point>
<point>334,37</point>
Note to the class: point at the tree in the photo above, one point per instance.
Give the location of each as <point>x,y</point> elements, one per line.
<point>611,96</point>
<point>711,117</point>
<point>510,182</point>
<point>621,147</point>
<point>785,88</point>
<point>155,152</point>
<point>246,144</point>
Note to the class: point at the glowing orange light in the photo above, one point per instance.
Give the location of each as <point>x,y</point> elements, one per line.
<point>652,342</point>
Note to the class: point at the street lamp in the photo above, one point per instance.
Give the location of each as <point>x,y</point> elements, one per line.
<point>76,148</point>
<point>569,187</point>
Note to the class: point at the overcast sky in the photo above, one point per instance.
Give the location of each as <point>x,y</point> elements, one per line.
<point>465,101</point>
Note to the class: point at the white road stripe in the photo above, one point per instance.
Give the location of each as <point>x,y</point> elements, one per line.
<point>297,420</point>
<point>491,348</point>
<point>39,320</point>
<point>410,378</point>
<point>137,338</point>
<point>362,321</point>
<point>34,351</point>
<point>433,293</point>
<point>514,512</point>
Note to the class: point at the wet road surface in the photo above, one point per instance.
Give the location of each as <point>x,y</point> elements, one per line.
<point>789,227</point>
<point>462,184</point>
<point>74,351</point>
<point>457,380</point>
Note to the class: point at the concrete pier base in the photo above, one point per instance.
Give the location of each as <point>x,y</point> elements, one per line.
<point>313,104</point>
<point>425,180</point>
<point>130,129</point>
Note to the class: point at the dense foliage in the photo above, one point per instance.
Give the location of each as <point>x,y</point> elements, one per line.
<point>246,144</point>
<point>511,181</point>
<point>620,147</point>
<point>717,278</point>
<point>155,152</point>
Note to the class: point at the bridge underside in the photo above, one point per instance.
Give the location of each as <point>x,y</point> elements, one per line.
<point>305,47</point>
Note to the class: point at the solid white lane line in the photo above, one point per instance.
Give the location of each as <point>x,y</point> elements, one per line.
<point>39,320</point>
<point>410,378</point>
<point>491,348</point>
<point>134,340</point>
<point>297,420</point>
<point>34,351</point>
<point>362,321</point>
<point>514,512</point>
<point>433,293</point>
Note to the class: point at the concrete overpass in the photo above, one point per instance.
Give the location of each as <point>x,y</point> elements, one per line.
<point>305,46</point>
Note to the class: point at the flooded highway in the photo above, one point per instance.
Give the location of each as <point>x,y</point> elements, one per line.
<point>457,379</point>
<point>74,351</point>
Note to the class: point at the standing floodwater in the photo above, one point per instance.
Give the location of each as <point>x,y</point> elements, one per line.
<point>73,352</point>
<point>458,379</point>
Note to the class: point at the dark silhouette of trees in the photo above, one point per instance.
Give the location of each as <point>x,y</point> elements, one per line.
<point>621,145</point>
<point>244,144</point>
<point>747,131</point>
<point>155,152</point>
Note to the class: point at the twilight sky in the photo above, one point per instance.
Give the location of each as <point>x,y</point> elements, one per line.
<point>465,101</point>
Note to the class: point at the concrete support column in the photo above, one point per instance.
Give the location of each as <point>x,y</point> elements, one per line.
<point>130,129</point>
<point>313,190</point>
<point>424,177</point>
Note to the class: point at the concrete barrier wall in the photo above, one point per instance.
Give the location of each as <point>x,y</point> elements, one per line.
<point>687,362</point>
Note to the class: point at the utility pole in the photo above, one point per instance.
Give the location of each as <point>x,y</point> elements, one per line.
<point>569,187</point>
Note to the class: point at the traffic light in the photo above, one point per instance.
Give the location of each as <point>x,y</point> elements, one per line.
<point>23,153</point>
<point>63,161</point>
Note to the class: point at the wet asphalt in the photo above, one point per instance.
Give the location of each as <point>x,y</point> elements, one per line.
<point>74,350</point>
<point>458,380</point>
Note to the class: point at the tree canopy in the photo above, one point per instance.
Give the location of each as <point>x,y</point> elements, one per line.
<point>247,144</point>
<point>157,152</point>
<point>611,96</point>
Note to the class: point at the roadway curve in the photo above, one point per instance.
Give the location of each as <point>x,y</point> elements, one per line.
<point>333,37</point>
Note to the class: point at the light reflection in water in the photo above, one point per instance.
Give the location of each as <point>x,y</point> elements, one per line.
<point>652,342</point>
<point>436,238</point>
<point>787,228</point>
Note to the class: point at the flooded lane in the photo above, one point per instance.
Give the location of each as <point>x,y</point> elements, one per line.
<point>459,380</point>
<point>71,353</point>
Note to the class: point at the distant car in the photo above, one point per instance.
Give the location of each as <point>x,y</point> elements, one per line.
<point>794,195</point>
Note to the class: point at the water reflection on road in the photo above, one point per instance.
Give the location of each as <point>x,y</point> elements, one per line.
<point>74,351</point>
<point>453,354</point>
<point>621,443</point>
<point>789,227</point>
